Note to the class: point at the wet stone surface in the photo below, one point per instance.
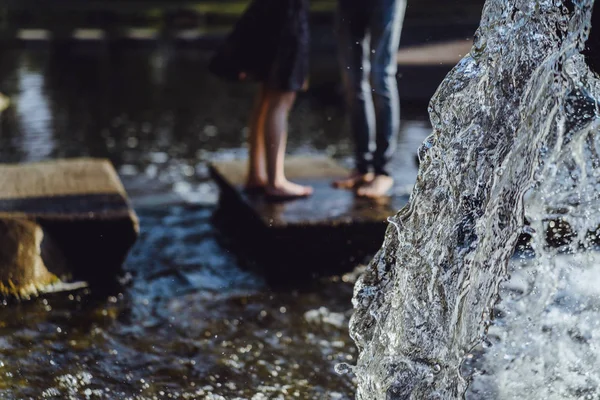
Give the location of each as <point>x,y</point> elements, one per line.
<point>327,207</point>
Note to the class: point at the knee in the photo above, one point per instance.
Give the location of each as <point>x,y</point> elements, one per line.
<point>288,99</point>
<point>280,101</point>
<point>356,84</point>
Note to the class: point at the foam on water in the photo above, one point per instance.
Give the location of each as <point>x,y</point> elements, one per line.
<point>514,139</point>
<point>544,345</point>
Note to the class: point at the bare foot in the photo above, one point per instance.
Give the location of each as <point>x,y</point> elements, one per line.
<point>354,180</point>
<point>287,191</point>
<point>377,188</point>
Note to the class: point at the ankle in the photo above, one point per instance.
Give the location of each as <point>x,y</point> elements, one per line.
<point>276,183</point>
<point>381,173</point>
<point>380,170</point>
<point>256,178</point>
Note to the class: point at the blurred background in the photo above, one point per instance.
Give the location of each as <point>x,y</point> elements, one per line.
<point>128,80</point>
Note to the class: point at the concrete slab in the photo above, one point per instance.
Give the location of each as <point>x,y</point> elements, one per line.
<point>326,207</point>
<point>59,178</point>
<point>71,217</point>
<point>330,231</point>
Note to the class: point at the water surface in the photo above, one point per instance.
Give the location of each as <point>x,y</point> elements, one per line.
<point>195,321</point>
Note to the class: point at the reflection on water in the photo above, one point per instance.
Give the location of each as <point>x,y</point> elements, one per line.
<point>37,142</point>
<point>195,322</point>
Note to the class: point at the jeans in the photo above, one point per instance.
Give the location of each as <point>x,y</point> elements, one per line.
<point>368,37</point>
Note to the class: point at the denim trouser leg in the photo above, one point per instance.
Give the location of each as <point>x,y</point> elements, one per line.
<point>368,46</point>
<point>385,28</point>
<point>354,51</point>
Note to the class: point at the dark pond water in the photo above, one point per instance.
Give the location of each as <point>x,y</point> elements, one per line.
<point>195,322</point>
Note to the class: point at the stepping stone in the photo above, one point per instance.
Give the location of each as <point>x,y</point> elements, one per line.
<point>330,231</point>
<point>62,221</point>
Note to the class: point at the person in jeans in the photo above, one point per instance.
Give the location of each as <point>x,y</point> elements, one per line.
<point>368,38</point>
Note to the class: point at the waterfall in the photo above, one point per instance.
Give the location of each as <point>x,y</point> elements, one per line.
<point>514,140</point>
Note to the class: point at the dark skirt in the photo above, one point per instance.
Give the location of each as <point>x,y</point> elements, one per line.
<point>269,44</point>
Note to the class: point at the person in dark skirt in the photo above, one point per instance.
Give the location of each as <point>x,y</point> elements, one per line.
<point>269,45</point>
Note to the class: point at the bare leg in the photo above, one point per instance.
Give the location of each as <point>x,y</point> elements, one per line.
<point>278,108</point>
<point>257,167</point>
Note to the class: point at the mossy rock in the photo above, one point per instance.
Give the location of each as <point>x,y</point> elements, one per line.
<point>27,258</point>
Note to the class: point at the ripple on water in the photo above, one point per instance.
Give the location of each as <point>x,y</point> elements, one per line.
<point>193,324</point>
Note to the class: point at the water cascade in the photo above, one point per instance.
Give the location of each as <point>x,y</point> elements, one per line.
<point>513,151</point>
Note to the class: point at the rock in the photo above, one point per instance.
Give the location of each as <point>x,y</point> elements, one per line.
<point>26,259</point>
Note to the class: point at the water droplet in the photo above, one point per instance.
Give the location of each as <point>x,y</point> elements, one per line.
<point>132,142</point>
<point>343,368</point>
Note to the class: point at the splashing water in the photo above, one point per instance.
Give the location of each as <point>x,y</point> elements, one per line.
<point>514,139</point>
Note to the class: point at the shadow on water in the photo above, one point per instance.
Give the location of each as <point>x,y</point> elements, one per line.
<point>194,319</point>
